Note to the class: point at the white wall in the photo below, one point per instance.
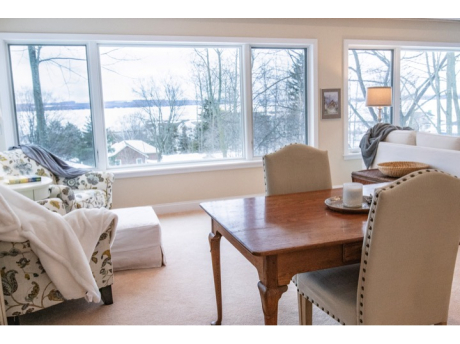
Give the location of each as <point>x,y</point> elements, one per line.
<point>330,34</point>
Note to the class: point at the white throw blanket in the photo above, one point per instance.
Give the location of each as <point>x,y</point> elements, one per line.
<point>64,244</point>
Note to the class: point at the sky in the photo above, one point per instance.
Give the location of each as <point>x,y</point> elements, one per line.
<point>122,70</point>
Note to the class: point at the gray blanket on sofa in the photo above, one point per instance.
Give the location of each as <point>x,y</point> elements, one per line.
<point>371,139</point>
<point>52,162</point>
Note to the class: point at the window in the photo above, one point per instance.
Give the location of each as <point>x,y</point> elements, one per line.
<point>157,104</point>
<point>430,90</point>
<point>278,98</point>
<point>185,103</point>
<point>51,97</point>
<point>426,88</point>
<point>365,68</point>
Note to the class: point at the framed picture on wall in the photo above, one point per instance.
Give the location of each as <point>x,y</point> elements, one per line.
<point>330,103</point>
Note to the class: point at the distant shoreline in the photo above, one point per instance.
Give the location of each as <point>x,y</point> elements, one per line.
<point>110,104</point>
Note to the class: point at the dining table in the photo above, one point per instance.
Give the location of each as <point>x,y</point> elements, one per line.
<point>283,235</point>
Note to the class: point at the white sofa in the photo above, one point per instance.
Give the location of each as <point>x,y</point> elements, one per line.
<point>439,151</point>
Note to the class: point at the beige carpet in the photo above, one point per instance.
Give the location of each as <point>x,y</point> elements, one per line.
<point>182,293</point>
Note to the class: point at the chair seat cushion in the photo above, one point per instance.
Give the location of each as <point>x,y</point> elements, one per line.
<point>90,198</point>
<point>336,288</point>
<point>138,240</point>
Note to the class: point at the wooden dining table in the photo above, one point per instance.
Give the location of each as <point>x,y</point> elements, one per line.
<point>282,236</point>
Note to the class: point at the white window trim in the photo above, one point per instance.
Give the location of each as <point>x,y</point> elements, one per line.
<point>92,41</point>
<point>396,46</point>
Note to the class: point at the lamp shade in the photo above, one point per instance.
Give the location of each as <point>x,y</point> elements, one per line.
<point>378,96</point>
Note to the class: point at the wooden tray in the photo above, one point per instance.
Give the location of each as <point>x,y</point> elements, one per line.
<point>336,204</point>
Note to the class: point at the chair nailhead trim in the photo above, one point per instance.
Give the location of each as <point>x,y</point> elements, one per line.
<point>322,308</point>
<point>364,261</point>
<point>369,229</point>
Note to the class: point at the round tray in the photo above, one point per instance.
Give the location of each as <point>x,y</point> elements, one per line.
<point>400,168</point>
<point>336,204</point>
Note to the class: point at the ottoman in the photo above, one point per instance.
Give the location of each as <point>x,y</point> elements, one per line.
<point>137,243</point>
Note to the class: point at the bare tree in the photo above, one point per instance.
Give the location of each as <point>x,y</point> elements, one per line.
<point>36,59</point>
<point>217,78</point>
<point>278,98</point>
<point>161,125</point>
<point>132,128</point>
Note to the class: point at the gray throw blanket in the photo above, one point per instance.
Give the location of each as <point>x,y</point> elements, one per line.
<point>52,162</point>
<point>371,139</point>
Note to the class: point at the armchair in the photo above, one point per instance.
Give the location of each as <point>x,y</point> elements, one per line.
<point>27,287</point>
<point>90,190</point>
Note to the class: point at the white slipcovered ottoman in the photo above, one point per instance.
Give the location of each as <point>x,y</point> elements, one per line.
<point>137,241</point>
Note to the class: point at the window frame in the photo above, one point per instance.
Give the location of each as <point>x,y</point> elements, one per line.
<point>8,133</point>
<point>396,47</point>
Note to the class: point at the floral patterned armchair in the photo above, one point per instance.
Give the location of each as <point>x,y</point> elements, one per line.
<point>27,287</point>
<point>90,190</point>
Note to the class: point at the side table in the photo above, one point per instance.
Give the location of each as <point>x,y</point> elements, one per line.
<point>370,176</point>
<point>35,191</point>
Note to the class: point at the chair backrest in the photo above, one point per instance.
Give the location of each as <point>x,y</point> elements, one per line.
<point>296,168</point>
<point>409,250</point>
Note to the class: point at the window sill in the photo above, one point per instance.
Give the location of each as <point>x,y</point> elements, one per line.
<point>352,156</point>
<point>133,172</point>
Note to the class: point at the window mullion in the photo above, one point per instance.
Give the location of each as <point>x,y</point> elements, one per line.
<point>247,102</point>
<point>97,106</point>
<point>397,86</point>
<point>7,122</point>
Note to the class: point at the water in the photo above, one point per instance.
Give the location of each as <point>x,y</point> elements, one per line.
<point>114,117</point>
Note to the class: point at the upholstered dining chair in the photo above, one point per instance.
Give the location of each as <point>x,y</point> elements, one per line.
<point>296,168</point>
<point>407,263</point>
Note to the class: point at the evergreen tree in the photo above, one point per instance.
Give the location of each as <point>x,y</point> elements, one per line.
<point>86,145</point>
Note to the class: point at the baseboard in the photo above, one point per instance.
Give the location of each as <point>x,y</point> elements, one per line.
<point>179,207</point>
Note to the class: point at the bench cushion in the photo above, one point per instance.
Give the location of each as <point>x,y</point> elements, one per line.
<point>405,137</point>
<point>438,141</point>
<point>137,242</point>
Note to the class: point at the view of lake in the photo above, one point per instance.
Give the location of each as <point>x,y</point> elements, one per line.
<point>114,116</point>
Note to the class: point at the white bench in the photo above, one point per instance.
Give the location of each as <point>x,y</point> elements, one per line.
<point>137,243</point>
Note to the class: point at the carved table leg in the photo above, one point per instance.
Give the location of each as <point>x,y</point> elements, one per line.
<point>270,298</point>
<point>270,291</point>
<point>214,242</point>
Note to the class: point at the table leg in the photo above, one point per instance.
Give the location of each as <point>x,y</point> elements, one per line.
<point>214,242</point>
<point>270,298</point>
<point>270,291</point>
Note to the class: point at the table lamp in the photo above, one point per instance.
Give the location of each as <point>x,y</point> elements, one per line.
<point>379,96</point>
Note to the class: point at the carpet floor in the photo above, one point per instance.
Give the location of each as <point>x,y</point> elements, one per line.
<point>182,292</point>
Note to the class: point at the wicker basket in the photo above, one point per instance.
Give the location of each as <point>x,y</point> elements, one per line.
<point>400,168</point>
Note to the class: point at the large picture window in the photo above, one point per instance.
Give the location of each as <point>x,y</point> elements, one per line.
<point>171,104</point>
<point>425,94</point>
<point>142,105</point>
